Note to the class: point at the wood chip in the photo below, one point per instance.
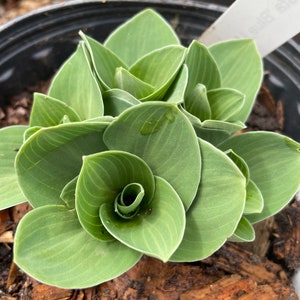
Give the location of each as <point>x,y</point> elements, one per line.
<point>19,211</point>
<point>286,244</point>
<point>12,275</point>
<point>229,287</point>
<point>7,237</point>
<point>5,297</point>
<point>261,245</point>
<point>234,259</point>
<point>45,292</point>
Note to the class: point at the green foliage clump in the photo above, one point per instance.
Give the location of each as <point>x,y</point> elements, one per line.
<point>136,149</point>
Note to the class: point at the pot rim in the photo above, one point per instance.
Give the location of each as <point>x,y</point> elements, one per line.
<point>53,7</point>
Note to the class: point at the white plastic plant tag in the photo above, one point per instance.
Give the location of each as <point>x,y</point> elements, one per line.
<point>269,22</point>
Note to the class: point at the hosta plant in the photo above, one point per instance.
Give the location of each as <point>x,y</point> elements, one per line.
<point>138,149</point>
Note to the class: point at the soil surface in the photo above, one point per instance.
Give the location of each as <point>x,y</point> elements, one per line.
<point>258,270</point>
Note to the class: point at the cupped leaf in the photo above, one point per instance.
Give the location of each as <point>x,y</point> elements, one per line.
<point>159,68</point>
<point>202,67</point>
<point>105,119</point>
<point>230,127</point>
<point>127,203</point>
<point>67,86</point>
<point>274,165</point>
<point>163,137</point>
<point>11,140</point>
<point>244,232</point>
<point>126,81</point>
<point>102,178</point>
<point>52,156</point>
<point>241,68</point>
<point>225,103</point>
<point>175,93</point>
<point>193,119</point>
<point>241,164</point>
<point>217,208</point>
<point>51,246</point>
<point>196,102</point>
<point>216,131</point>
<point>157,231</point>
<point>211,135</point>
<point>116,101</point>
<point>47,111</point>
<point>68,193</point>
<point>30,131</point>
<point>142,34</point>
<point>104,62</point>
<point>254,199</point>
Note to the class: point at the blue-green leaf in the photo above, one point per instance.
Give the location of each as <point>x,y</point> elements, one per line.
<point>102,178</point>
<point>67,86</point>
<point>241,164</point>
<point>126,81</point>
<point>254,199</point>
<point>225,103</point>
<point>47,111</point>
<point>216,131</point>
<point>230,127</point>
<point>104,62</point>
<point>52,156</point>
<point>157,231</point>
<point>241,68</point>
<point>137,37</point>
<point>196,102</point>
<point>202,67</point>
<point>159,68</point>
<point>68,193</point>
<point>116,101</point>
<point>11,140</point>
<point>149,126</point>
<point>51,246</point>
<point>274,165</point>
<point>217,208</point>
<point>244,232</point>
<point>175,93</point>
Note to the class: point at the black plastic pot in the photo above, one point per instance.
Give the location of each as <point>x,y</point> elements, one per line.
<point>34,46</point>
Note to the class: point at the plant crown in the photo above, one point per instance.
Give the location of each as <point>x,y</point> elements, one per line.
<point>138,149</point>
